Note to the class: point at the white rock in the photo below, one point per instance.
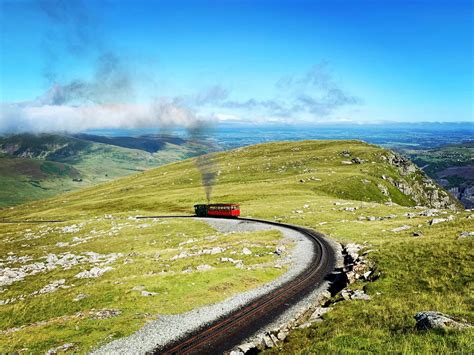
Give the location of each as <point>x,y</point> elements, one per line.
<point>93,273</point>
<point>400,229</point>
<point>148,293</point>
<point>204,267</point>
<point>246,251</point>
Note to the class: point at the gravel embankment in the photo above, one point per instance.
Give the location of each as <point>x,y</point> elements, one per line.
<point>168,328</point>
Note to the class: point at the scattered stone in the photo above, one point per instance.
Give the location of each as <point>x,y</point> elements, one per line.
<point>204,267</point>
<point>318,312</point>
<point>79,297</point>
<point>466,234</point>
<point>61,349</point>
<point>93,273</point>
<point>435,320</point>
<point>106,313</point>
<point>355,295</point>
<point>148,293</point>
<point>280,250</point>
<point>400,229</point>
<point>357,160</point>
<point>350,209</point>
<point>62,244</point>
<point>417,234</point>
<point>429,213</point>
<point>346,162</point>
<point>246,251</point>
<point>438,220</point>
<point>298,211</point>
<point>138,288</point>
<point>245,348</point>
<point>360,295</point>
<point>52,286</point>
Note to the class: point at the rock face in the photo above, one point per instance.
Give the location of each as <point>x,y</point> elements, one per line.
<point>464,194</point>
<point>415,184</point>
<point>436,320</point>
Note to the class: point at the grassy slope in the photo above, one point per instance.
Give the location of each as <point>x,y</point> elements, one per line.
<point>428,273</point>
<point>29,179</point>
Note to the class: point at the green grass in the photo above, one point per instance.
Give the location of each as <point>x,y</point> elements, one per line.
<point>28,179</point>
<point>433,272</point>
<point>147,248</point>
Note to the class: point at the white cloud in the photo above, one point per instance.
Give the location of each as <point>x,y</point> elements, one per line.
<point>66,118</point>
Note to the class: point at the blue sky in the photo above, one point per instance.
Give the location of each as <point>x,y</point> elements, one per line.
<point>247,60</point>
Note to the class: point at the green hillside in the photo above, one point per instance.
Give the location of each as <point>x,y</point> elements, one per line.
<point>33,167</point>
<point>331,186</point>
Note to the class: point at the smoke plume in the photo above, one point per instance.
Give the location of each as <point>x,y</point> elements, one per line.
<point>206,164</point>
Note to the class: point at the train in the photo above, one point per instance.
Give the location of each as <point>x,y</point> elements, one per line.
<point>226,210</point>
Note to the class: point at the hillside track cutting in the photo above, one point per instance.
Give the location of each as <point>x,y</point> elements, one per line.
<point>232,329</point>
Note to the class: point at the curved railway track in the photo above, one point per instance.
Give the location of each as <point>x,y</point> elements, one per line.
<point>232,329</point>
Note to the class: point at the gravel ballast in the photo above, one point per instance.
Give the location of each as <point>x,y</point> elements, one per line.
<point>169,328</point>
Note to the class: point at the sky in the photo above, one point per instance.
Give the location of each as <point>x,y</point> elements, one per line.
<point>74,65</point>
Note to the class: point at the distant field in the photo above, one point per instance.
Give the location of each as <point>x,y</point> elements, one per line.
<point>35,167</point>
<point>306,183</point>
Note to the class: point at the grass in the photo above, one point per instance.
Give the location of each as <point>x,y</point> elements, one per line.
<point>147,249</point>
<point>28,179</point>
<point>433,272</point>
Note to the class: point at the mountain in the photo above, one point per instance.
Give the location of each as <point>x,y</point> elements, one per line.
<point>43,165</point>
<point>351,191</point>
<point>148,143</point>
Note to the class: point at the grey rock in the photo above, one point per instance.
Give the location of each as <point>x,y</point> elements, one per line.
<point>93,273</point>
<point>360,295</point>
<point>245,348</point>
<point>466,234</point>
<point>246,251</point>
<point>318,312</point>
<point>435,320</point>
<point>204,267</point>
<point>400,229</point>
<point>61,349</point>
<point>106,313</point>
<point>148,293</point>
<point>79,297</point>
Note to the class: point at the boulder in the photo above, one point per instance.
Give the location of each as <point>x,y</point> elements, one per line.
<point>427,320</point>
<point>318,312</point>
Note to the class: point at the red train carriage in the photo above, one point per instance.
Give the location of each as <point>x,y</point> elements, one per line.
<point>218,210</point>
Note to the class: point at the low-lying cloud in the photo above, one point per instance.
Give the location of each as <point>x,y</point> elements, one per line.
<point>160,113</point>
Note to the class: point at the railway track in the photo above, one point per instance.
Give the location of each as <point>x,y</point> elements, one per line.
<point>232,329</point>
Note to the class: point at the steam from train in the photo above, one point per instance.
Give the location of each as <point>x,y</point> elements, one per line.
<point>207,164</point>
<point>207,167</point>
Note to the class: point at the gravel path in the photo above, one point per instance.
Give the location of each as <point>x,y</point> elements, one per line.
<point>168,328</point>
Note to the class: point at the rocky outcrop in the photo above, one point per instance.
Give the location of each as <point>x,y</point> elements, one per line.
<point>413,183</point>
<point>435,320</point>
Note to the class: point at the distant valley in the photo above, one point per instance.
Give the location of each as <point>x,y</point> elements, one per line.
<point>33,167</point>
